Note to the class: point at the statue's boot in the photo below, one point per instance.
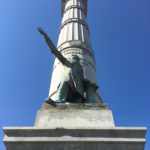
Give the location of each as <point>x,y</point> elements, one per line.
<point>52,102</point>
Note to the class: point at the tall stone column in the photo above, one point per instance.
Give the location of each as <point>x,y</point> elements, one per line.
<point>74,39</point>
<point>74,126</point>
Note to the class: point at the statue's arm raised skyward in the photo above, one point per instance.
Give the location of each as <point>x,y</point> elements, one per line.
<point>54,50</point>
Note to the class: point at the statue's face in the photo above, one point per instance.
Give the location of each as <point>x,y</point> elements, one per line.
<point>75,58</point>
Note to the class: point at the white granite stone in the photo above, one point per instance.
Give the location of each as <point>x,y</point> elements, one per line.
<point>75,116</point>
<point>31,138</point>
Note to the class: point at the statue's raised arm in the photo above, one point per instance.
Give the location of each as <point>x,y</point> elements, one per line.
<point>51,45</point>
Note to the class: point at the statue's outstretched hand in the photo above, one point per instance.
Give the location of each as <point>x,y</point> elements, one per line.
<point>48,40</point>
<point>51,45</point>
<point>41,31</point>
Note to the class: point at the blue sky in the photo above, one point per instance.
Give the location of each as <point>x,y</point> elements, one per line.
<point>120,34</point>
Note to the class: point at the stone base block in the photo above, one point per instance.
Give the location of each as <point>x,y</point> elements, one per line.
<point>115,138</point>
<point>74,116</point>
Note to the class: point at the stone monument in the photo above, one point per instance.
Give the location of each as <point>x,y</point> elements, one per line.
<point>74,117</point>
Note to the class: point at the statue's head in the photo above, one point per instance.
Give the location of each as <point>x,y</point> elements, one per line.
<point>75,58</point>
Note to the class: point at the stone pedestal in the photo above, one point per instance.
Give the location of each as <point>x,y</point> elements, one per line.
<point>74,127</point>
<point>74,116</point>
<point>32,138</point>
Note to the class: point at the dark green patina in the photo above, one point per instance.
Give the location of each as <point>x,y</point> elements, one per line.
<point>73,88</point>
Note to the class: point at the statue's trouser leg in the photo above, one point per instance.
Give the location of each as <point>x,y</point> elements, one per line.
<point>90,95</point>
<point>74,97</point>
<point>62,92</point>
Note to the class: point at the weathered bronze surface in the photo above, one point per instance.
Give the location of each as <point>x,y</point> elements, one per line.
<point>73,88</point>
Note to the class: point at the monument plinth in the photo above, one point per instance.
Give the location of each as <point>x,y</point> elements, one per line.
<point>74,116</point>
<point>73,138</point>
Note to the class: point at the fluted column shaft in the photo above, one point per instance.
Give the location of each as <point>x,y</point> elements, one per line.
<point>74,39</point>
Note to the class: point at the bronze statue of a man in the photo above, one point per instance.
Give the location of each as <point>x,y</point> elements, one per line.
<point>73,87</point>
